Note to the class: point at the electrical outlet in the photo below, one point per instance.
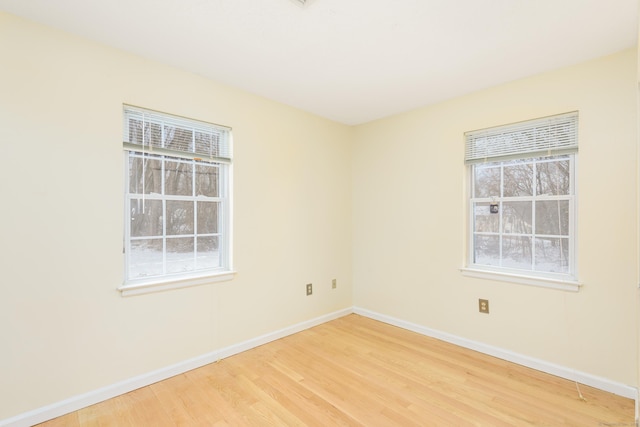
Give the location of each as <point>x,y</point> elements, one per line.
<point>309,289</point>
<point>483,306</point>
<point>334,284</point>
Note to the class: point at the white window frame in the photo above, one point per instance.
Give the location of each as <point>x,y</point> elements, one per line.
<point>217,155</point>
<point>533,139</point>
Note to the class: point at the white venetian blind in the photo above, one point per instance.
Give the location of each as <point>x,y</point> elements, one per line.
<point>547,136</point>
<point>165,134</point>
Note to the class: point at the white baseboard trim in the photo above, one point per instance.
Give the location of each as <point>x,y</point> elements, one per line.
<point>290,330</point>
<point>540,365</point>
<point>75,403</point>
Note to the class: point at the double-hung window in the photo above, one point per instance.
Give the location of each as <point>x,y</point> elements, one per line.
<point>522,208</point>
<point>177,200</point>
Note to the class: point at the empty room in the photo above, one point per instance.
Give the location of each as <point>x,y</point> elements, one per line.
<point>320,212</point>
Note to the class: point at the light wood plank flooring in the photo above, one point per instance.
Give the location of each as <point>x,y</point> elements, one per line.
<point>355,371</point>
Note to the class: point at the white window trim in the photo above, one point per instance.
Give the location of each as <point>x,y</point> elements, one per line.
<point>199,277</point>
<point>528,277</point>
<point>522,279</point>
<point>565,282</point>
<point>141,287</point>
<point>196,278</point>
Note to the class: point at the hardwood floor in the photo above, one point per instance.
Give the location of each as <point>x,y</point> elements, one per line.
<point>355,371</point>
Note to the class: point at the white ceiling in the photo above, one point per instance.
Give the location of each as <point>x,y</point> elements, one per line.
<point>351,61</point>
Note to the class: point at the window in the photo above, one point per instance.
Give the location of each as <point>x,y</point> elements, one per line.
<point>177,199</point>
<point>522,199</point>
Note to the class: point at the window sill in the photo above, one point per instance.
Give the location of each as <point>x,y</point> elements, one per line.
<point>140,287</point>
<point>544,282</point>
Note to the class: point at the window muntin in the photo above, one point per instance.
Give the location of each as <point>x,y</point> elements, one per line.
<point>177,212</point>
<point>532,227</point>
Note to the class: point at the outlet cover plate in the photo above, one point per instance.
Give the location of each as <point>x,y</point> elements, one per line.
<point>483,306</point>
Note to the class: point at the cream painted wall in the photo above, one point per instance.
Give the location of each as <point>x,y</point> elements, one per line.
<point>397,233</point>
<point>409,223</point>
<point>64,329</point>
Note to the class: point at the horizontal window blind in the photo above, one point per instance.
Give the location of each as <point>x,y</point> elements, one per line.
<point>547,136</point>
<point>164,134</point>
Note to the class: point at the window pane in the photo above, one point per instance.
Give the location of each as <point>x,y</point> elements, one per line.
<point>208,252</point>
<point>179,217</point>
<point>207,180</point>
<point>518,179</point>
<point>207,143</point>
<point>207,217</point>
<point>144,173</point>
<point>180,255</point>
<point>528,232</point>
<point>145,258</point>
<point>178,139</point>
<point>135,131</point>
<point>487,250</point>
<point>553,178</point>
<point>145,133</point>
<point>552,217</point>
<point>516,252</point>
<point>484,220</point>
<point>153,134</point>
<point>486,181</point>
<point>516,217</point>
<point>178,178</point>
<point>146,217</point>
<point>552,255</point>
